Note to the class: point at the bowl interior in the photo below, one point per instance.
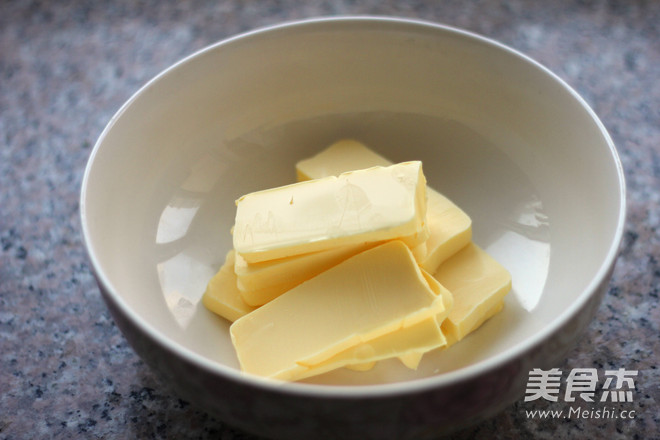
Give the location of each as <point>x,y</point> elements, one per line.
<point>498,134</point>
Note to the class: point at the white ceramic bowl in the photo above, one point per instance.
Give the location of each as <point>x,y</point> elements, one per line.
<point>503,137</point>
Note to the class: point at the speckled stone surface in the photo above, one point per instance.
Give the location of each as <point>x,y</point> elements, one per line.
<point>65,67</point>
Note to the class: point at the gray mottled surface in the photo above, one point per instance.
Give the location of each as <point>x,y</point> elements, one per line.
<point>67,66</point>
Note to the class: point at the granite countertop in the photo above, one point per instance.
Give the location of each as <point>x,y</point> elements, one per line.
<point>65,67</point>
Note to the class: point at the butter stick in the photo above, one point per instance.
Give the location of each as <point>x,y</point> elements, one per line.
<point>222,296</point>
<point>478,283</point>
<point>369,295</point>
<point>370,205</point>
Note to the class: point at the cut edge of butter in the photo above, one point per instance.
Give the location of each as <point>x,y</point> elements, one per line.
<point>422,337</point>
<point>412,358</point>
<point>222,297</point>
<point>479,283</point>
<point>450,230</point>
<point>451,336</point>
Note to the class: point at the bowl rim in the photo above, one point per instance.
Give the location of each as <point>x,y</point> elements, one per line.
<point>372,390</point>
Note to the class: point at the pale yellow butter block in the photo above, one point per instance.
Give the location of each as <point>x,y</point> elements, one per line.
<point>407,343</point>
<point>366,296</point>
<point>262,282</point>
<point>478,284</point>
<point>222,296</point>
<point>450,228</point>
<point>343,155</point>
<point>370,205</point>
